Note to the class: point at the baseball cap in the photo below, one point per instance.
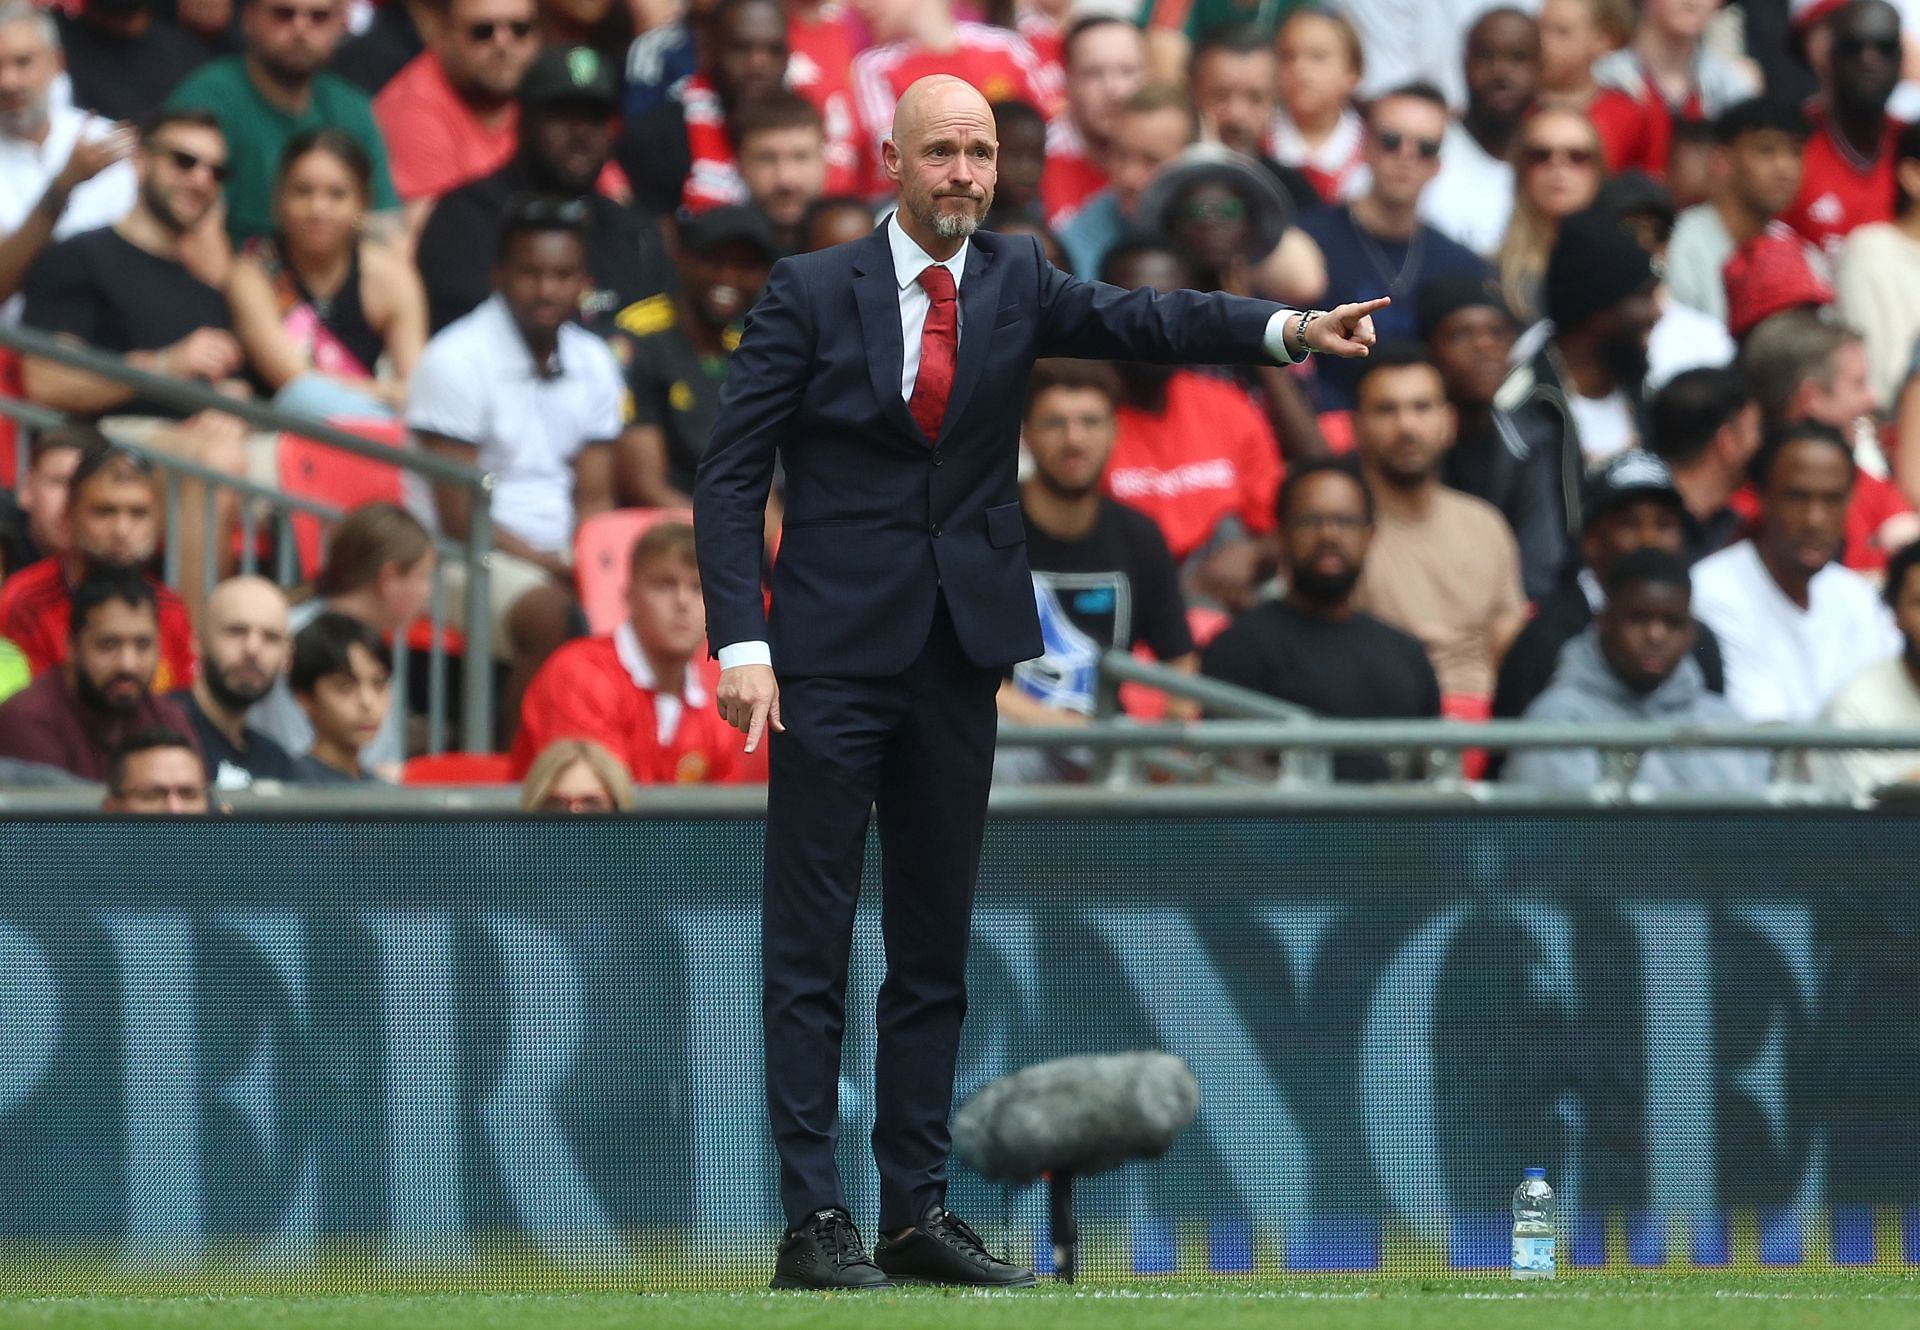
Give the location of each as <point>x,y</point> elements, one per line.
<point>716,226</point>
<point>1628,476</point>
<point>1767,275</point>
<point>1629,193</point>
<point>569,75</point>
<point>1442,297</point>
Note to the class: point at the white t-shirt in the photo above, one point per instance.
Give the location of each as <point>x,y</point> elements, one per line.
<point>1605,424</point>
<point>1880,697</point>
<point>26,169</point>
<point>1785,663</point>
<point>1685,339</point>
<point>1418,41</point>
<point>1472,197</point>
<point>477,383</point>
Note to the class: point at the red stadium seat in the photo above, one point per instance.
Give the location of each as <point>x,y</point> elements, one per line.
<point>9,430</point>
<point>313,471</point>
<point>457,769</point>
<point>601,546</point>
<point>1336,427</point>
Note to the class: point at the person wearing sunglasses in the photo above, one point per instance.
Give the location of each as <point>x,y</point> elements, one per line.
<point>1851,154</point>
<point>278,86</point>
<point>1557,172</point>
<point>1377,245</point>
<point>1666,74</point>
<point>451,115</point>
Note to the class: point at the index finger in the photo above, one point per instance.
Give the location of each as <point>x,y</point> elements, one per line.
<point>1361,307</point>
<point>757,724</point>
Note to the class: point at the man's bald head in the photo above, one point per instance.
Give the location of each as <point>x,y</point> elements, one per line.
<point>944,154</point>
<point>244,641</point>
<point>936,95</point>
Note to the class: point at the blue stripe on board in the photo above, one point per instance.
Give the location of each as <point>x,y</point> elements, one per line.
<point>1480,1241</point>
<point>1043,1248</point>
<point>1154,1249</point>
<point>1646,1238</point>
<point>1589,1239</point>
<point>1910,1234</point>
<point>1230,1245</point>
<point>1780,1237</point>
<point>1853,1235</point>
<point>1711,1235</point>
<point>1335,1242</point>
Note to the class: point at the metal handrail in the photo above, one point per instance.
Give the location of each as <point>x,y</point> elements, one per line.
<point>185,395</point>
<point>477,677</point>
<point>1381,736</point>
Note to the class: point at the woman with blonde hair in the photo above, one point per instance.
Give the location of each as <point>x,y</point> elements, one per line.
<point>1557,168</point>
<point>576,776</point>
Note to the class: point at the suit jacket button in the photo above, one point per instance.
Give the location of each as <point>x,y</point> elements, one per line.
<point>939,459</point>
<point>936,530</point>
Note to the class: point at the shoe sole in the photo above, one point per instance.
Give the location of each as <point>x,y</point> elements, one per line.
<point>785,1284</point>
<point>1029,1282</point>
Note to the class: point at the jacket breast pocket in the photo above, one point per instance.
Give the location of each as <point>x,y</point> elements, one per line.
<point>1005,526</point>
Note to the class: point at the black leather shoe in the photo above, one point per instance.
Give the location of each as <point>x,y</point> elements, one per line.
<point>826,1252</point>
<point>943,1250</point>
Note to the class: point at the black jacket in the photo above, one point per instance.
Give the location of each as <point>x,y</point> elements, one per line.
<point>881,521</point>
<point>1535,395</point>
<point>1499,465</point>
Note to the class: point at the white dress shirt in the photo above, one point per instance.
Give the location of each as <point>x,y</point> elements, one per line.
<point>909,261</point>
<point>26,169</point>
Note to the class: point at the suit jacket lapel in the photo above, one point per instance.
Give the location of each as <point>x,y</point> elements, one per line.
<point>877,294</point>
<point>979,302</point>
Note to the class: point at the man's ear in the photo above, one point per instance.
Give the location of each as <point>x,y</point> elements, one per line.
<point>890,158</point>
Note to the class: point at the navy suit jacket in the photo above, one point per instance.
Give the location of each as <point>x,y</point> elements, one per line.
<point>879,518</point>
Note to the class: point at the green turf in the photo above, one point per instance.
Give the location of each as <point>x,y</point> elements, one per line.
<point>1617,1302</point>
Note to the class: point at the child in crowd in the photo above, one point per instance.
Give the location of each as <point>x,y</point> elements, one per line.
<point>1316,128</point>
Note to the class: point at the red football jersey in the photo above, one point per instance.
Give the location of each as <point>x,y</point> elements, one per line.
<point>587,690</point>
<point>36,608</point>
<point>997,62</point>
<point>820,68</point>
<point>1840,190</point>
<point>1072,176</point>
<point>1636,133</point>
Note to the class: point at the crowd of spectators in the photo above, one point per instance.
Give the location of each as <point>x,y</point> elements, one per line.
<point>1641,439</point>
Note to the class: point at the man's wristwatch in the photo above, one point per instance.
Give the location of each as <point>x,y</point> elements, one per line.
<point>1300,330</point>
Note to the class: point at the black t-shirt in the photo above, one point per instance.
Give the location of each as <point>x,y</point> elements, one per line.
<point>456,252</point>
<point>230,768</point>
<point>673,385</point>
<point>370,60</point>
<point>17,549</point>
<point>654,153</point>
<point>1116,587</point>
<point>115,296</point>
<point>128,80</point>
<point>1355,669</point>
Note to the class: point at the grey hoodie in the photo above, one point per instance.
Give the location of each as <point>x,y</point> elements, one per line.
<point>1584,690</point>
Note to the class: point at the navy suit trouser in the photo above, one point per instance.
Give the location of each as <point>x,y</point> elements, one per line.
<point>917,748</point>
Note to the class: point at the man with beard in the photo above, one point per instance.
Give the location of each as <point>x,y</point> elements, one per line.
<point>277,87</point>
<point>1443,565</point>
<point>451,114</point>
<point>1316,648</point>
<point>1635,665</point>
<point>567,103</point>
<point>1579,401</point>
<point>1102,576</point>
<point>1472,197</point>
<point>1468,332</point>
<point>111,522</point>
<point>880,373</point>
<point>675,349</point>
<point>73,717</point>
<point>244,643</point>
<point>1793,624</point>
<point>783,163</point>
<point>62,171</point>
<point>1850,157</point>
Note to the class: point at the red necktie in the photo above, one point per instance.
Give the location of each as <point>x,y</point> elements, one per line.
<point>937,343</point>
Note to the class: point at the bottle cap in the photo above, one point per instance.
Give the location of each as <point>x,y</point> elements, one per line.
<point>1539,1173</point>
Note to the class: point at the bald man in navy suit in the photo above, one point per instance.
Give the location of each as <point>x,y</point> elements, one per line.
<point>888,376</point>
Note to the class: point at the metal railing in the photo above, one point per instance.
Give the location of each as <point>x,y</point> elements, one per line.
<point>265,505</point>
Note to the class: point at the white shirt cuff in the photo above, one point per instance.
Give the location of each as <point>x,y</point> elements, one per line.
<point>1276,338</point>
<point>736,654</point>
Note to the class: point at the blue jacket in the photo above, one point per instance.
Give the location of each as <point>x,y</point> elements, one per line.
<point>880,519</point>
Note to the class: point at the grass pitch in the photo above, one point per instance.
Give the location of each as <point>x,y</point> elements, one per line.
<point>1616,1302</point>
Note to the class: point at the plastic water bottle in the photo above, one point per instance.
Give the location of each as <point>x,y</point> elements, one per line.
<point>1533,1217</point>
